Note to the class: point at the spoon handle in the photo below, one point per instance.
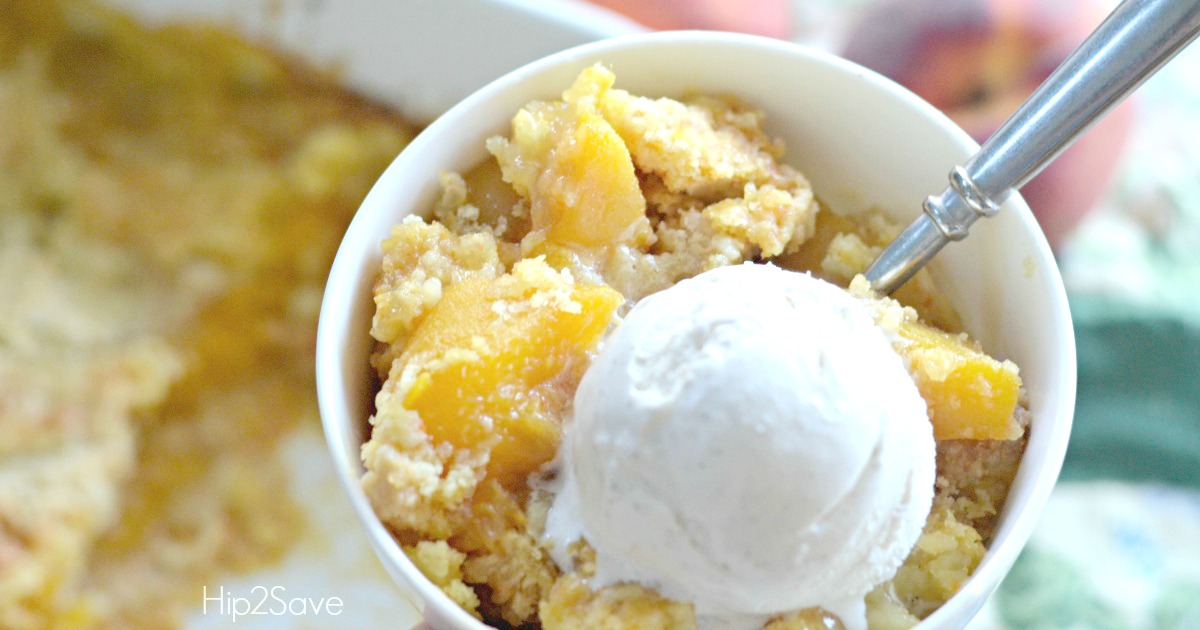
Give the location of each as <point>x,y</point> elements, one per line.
<point>1129,46</point>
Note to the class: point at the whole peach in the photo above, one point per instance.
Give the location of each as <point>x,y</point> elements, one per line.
<point>977,60</point>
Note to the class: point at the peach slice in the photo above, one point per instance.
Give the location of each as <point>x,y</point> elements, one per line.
<point>573,168</point>
<point>496,361</point>
<point>970,395</point>
<point>589,193</point>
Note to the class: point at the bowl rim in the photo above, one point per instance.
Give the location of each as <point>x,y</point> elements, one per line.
<point>1009,539</point>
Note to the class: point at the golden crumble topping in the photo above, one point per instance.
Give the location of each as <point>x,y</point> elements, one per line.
<point>497,299</point>
<point>571,603</point>
<point>944,557</point>
<point>705,148</point>
<point>974,476</point>
<point>442,564</point>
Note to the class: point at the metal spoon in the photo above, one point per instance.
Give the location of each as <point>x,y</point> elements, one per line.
<point>1126,49</point>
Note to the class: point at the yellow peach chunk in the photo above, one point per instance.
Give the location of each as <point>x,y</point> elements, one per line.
<point>970,395</point>
<point>589,193</point>
<point>573,169</point>
<point>496,361</point>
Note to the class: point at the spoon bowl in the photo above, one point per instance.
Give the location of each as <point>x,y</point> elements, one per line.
<point>863,141</point>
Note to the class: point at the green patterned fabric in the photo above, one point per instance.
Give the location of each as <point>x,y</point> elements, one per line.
<point>1138,413</point>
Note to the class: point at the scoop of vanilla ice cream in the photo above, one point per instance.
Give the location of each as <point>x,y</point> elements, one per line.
<point>748,441</point>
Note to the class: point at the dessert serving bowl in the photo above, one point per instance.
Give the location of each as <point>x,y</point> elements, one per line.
<point>864,142</point>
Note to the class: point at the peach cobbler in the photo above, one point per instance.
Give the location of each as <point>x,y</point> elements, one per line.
<point>170,200</point>
<point>492,306</point>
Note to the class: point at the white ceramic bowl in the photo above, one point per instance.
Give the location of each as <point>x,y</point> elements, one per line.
<point>862,140</point>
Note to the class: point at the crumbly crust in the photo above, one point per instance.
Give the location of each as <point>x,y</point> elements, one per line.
<point>716,193</point>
